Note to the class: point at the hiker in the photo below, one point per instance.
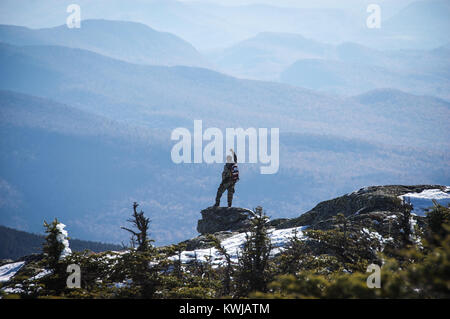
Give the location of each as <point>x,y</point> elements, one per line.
<point>230,176</point>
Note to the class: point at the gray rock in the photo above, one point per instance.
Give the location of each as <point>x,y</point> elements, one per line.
<point>202,242</point>
<point>216,219</point>
<point>362,202</point>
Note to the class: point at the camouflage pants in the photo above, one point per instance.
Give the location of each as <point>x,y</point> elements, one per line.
<point>225,185</point>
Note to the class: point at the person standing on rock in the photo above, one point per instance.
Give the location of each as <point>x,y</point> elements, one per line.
<point>230,176</point>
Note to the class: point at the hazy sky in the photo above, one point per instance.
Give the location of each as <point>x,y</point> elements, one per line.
<point>309,3</point>
<point>390,7</point>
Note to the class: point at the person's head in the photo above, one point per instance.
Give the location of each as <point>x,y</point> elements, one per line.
<point>229,159</point>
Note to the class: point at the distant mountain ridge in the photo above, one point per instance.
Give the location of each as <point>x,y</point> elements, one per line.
<point>128,41</point>
<point>129,92</point>
<point>15,244</point>
<point>426,20</point>
<point>414,24</point>
<point>356,69</point>
<point>266,55</point>
<point>50,161</point>
<point>347,68</point>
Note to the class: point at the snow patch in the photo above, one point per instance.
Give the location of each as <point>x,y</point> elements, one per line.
<point>233,246</point>
<point>378,237</point>
<point>413,236</point>
<point>17,290</point>
<point>124,284</point>
<point>9,270</point>
<point>42,274</point>
<point>423,201</point>
<point>62,238</point>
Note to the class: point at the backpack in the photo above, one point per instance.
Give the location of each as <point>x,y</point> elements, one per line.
<point>235,172</point>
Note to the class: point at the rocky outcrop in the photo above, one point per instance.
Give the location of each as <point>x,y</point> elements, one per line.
<point>203,241</point>
<point>367,202</point>
<point>216,219</point>
<point>377,208</point>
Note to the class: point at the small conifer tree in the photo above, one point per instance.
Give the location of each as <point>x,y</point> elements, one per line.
<point>227,270</point>
<point>438,220</point>
<point>252,271</point>
<point>56,248</point>
<point>405,223</point>
<point>56,244</point>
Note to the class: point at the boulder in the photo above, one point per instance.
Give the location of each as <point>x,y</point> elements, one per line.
<point>202,241</point>
<point>361,202</point>
<point>216,219</point>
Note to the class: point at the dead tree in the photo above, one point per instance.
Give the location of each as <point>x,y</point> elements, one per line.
<point>139,221</point>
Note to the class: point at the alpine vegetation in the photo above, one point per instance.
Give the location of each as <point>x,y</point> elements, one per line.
<point>220,149</point>
<point>366,244</point>
<point>57,243</point>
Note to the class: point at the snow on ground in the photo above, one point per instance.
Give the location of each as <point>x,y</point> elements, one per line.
<point>233,246</point>
<point>9,270</point>
<point>42,274</point>
<point>413,236</point>
<point>422,201</point>
<point>17,290</point>
<point>377,236</point>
